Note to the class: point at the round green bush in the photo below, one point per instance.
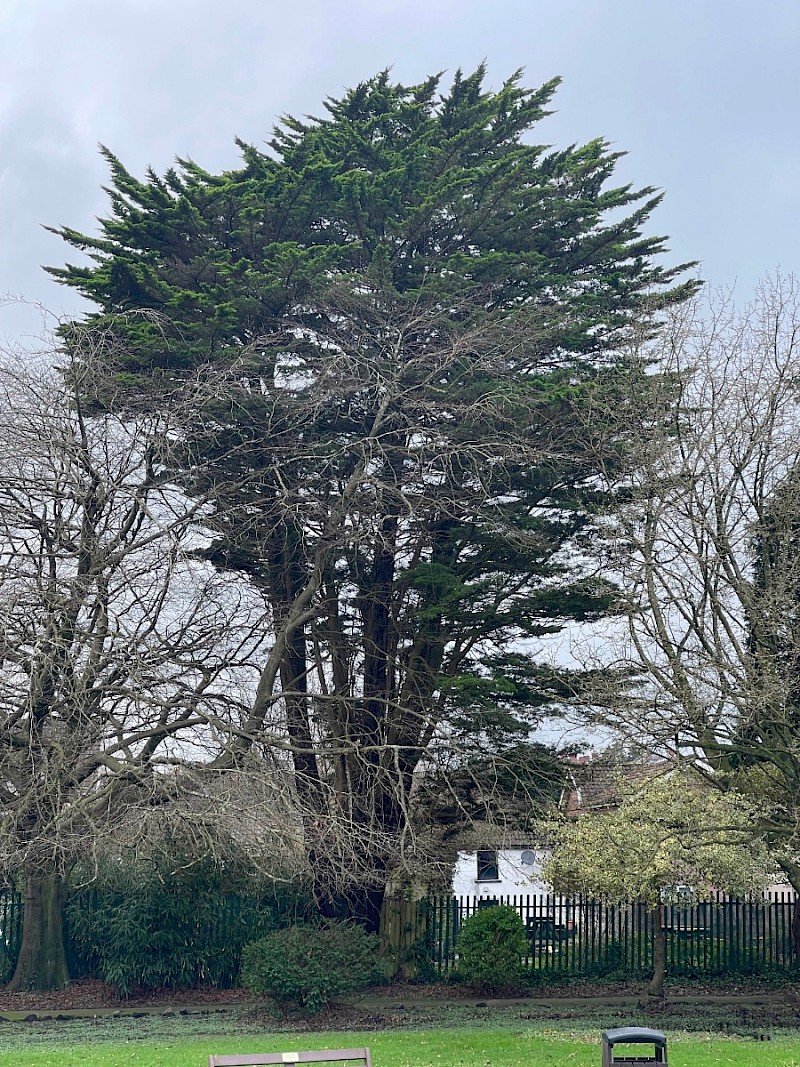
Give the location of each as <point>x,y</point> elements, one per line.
<point>491,946</point>
<point>306,967</point>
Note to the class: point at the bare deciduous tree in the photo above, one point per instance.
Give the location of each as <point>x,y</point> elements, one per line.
<point>119,652</point>
<point>708,555</point>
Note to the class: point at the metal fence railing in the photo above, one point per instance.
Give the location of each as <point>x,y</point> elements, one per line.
<point>568,936</point>
<point>579,936</point>
<point>11,903</point>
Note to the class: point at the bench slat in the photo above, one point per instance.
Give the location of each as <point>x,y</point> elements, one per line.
<point>259,1059</point>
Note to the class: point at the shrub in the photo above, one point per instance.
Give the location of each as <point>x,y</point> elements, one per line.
<point>306,967</point>
<point>491,945</point>
<point>152,928</point>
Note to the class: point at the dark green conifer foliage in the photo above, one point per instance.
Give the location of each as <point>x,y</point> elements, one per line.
<point>416,316</point>
<point>762,757</point>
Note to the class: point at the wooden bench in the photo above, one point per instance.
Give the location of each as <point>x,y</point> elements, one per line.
<point>358,1056</point>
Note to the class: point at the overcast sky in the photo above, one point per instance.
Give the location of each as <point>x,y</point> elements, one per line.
<point>703,94</point>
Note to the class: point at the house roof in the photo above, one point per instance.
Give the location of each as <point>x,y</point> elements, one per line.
<point>486,835</point>
<point>596,785</point>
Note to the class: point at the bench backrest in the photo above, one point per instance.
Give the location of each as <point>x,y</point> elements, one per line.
<point>358,1056</point>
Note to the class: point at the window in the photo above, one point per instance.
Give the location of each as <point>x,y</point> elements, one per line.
<point>487,866</point>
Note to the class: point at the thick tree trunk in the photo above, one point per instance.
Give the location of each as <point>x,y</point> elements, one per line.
<point>42,962</point>
<point>370,906</point>
<point>656,987</point>
<point>376,613</point>
<point>402,932</point>
<point>361,904</point>
<point>287,578</point>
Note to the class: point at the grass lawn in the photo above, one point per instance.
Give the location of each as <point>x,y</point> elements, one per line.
<point>507,1047</point>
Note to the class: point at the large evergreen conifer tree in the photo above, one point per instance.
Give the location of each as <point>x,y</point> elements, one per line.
<point>416,317</point>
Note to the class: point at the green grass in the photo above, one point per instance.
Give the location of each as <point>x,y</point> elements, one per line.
<point>524,1046</point>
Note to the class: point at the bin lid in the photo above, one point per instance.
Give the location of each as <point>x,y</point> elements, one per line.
<point>634,1035</point>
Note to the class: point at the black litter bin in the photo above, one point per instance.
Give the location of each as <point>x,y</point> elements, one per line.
<point>634,1035</point>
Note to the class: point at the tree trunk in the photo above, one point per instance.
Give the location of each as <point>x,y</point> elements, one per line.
<point>361,904</point>
<point>287,577</point>
<point>376,614</point>
<point>402,932</point>
<point>42,962</point>
<point>366,905</point>
<point>656,987</point>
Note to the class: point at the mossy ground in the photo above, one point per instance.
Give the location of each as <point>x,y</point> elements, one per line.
<point>448,1036</point>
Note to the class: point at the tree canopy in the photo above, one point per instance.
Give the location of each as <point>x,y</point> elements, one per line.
<point>415,319</point>
<point>419,194</point>
<point>672,830</point>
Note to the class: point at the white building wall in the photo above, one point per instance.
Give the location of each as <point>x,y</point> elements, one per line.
<point>779,889</point>
<point>519,872</point>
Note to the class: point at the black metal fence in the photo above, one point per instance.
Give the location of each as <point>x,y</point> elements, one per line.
<point>567,936</point>
<point>10,931</point>
<point>12,908</point>
<point>581,937</point>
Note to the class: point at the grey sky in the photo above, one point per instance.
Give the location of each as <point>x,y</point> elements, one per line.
<point>702,93</point>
